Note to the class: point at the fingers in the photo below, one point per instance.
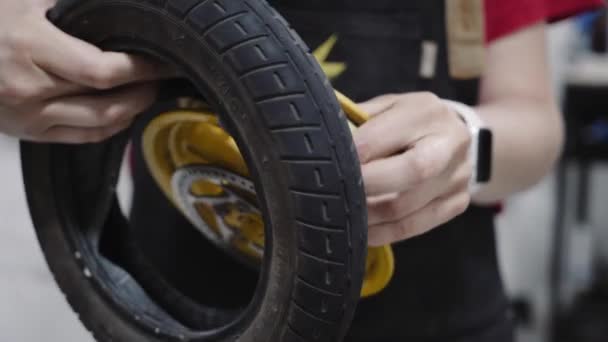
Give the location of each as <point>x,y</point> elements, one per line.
<point>414,155</point>
<point>23,82</point>
<point>426,161</point>
<point>85,64</point>
<point>57,88</point>
<point>433,215</point>
<point>373,200</point>
<point>44,62</point>
<point>87,118</point>
<point>394,210</point>
<point>100,109</point>
<point>398,207</point>
<point>378,104</point>
<point>83,118</point>
<point>409,118</point>
<point>48,86</point>
<point>45,5</point>
<point>80,135</point>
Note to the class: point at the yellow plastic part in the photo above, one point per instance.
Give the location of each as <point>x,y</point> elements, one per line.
<point>354,114</point>
<point>332,69</point>
<point>183,138</point>
<point>379,270</point>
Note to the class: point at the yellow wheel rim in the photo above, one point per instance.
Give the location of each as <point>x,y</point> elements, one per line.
<point>188,139</point>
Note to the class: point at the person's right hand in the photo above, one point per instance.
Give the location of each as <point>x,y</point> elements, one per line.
<point>56,88</point>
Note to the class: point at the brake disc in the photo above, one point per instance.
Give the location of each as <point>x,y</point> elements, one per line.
<point>198,166</point>
<point>236,226</point>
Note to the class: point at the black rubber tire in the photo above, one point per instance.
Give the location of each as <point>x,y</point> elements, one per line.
<point>272,95</point>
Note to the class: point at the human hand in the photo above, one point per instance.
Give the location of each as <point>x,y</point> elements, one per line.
<point>56,88</point>
<point>414,156</point>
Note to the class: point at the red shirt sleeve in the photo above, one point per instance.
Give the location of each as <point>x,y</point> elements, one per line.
<point>506,16</point>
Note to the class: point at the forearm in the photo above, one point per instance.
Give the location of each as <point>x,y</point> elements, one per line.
<point>518,104</point>
<point>528,139</point>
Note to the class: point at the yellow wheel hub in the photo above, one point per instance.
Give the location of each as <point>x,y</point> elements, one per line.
<point>200,169</point>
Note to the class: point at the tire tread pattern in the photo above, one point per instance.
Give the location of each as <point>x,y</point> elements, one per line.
<point>315,148</point>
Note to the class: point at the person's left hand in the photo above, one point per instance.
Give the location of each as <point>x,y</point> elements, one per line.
<point>416,170</point>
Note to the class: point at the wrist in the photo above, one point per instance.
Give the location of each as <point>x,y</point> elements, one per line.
<point>480,150</point>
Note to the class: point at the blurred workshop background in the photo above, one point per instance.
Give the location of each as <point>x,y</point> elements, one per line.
<point>553,239</point>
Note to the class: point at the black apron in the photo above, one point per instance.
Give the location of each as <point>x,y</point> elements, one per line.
<point>447,285</point>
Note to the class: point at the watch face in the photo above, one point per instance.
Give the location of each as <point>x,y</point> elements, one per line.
<point>484,155</point>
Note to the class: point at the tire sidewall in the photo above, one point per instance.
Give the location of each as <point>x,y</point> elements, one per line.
<point>274,296</point>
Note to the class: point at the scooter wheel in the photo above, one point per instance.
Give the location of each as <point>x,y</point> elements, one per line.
<point>271,95</point>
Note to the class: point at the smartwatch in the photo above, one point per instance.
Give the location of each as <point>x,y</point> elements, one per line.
<point>480,151</point>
